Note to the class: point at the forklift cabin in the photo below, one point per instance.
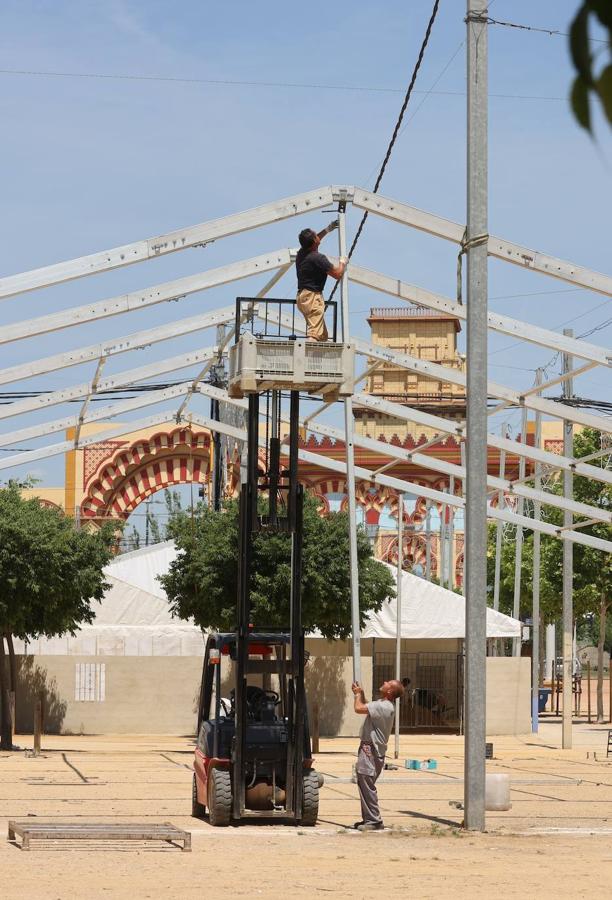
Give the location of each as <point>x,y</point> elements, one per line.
<point>268,786</point>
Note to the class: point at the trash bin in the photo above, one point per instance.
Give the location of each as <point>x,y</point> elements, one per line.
<point>543,695</point>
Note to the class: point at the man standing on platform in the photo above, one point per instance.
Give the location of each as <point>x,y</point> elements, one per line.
<point>374,736</point>
<point>312,271</point>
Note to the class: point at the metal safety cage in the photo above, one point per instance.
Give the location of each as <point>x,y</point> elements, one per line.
<point>263,318</point>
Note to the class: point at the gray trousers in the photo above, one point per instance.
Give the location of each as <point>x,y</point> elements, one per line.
<point>369,766</point>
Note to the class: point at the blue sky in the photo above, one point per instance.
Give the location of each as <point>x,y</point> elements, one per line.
<point>91,163</point>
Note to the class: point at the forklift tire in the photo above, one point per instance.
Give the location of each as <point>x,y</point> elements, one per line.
<point>198,810</point>
<point>219,797</point>
<point>310,798</point>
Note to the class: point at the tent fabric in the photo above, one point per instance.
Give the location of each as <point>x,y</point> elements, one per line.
<point>431,611</point>
<point>134,618</point>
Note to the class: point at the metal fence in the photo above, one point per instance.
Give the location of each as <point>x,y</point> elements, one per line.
<point>434,698</point>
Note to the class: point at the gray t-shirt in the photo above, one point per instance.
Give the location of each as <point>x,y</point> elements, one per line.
<point>377,725</point>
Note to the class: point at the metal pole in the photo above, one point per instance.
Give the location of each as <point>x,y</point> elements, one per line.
<point>451,540</point>
<point>442,541</point>
<point>568,564</point>
<point>500,531</point>
<point>350,468</point>
<point>535,612</point>
<point>518,542</point>
<point>428,540</point>
<point>476,385</point>
<point>398,626</point>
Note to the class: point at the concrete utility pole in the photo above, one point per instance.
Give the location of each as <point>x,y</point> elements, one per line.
<point>535,612</point>
<point>568,564</point>
<point>476,384</point>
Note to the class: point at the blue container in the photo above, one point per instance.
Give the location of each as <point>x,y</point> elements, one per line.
<point>543,695</point>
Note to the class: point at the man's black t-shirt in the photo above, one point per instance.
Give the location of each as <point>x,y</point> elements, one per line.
<point>312,268</point>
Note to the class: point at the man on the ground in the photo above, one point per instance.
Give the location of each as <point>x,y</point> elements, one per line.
<point>374,737</point>
<point>312,270</point>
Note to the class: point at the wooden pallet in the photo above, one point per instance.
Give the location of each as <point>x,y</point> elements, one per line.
<point>96,831</point>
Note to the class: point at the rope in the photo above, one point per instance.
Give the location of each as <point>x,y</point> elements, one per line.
<point>398,125</point>
<point>467,244</point>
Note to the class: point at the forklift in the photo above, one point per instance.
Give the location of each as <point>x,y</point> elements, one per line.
<point>253,754</point>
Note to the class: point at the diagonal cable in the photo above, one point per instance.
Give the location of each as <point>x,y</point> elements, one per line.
<point>398,125</point>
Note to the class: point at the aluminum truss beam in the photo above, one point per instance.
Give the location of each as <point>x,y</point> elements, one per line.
<point>497,247</point>
<point>459,431</point>
<point>408,487</point>
<point>502,324</point>
<point>442,373</point>
<point>135,341</point>
<point>121,379</point>
<point>151,248</point>
<point>159,293</point>
<point>148,398</point>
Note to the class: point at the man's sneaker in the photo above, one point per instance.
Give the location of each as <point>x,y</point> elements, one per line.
<point>357,824</point>
<point>370,826</point>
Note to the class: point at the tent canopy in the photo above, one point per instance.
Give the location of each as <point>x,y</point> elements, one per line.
<point>431,611</point>
<point>134,616</point>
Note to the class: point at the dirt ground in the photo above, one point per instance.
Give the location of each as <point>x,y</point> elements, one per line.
<point>556,841</point>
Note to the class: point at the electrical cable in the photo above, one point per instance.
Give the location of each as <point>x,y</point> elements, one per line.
<point>398,124</point>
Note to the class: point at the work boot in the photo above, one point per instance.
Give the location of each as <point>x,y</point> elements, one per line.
<point>370,826</point>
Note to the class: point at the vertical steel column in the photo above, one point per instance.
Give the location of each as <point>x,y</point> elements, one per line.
<point>535,612</point>
<point>428,540</point>
<point>350,469</point>
<point>398,623</point>
<point>451,539</point>
<point>518,542</point>
<point>442,547</point>
<point>568,564</point>
<point>500,529</point>
<point>476,457</point>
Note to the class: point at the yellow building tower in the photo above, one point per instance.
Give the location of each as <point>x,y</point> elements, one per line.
<point>428,336</point>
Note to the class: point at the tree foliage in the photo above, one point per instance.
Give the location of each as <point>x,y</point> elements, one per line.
<point>49,570</point>
<point>592,568</point>
<point>202,581</point>
<point>49,574</point>
<point>590,82</point>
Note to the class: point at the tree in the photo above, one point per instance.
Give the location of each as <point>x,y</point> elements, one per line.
<point>202,581</point>
<point>587,82</point>
<point>592,585</point>
<point>50,572</point>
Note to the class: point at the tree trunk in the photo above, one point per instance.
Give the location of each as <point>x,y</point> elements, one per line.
<point>603,609</point>
<point>12,672</point>
<point>6,730</point>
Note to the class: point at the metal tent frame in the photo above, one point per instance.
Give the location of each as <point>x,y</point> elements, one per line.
<point>174,401</point>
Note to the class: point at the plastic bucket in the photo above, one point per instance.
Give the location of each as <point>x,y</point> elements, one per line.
<point>497,793</point>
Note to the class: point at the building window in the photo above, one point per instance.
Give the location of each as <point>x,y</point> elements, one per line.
<point>90,682</point>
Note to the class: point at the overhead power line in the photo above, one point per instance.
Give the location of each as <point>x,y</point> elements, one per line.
<point>398,125</point>
<point>229,82</point>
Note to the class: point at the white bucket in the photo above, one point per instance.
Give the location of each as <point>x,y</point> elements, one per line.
<point>497,793</point>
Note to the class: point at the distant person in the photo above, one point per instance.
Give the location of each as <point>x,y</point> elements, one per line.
<point>312,270</point>
<point>374,736</point>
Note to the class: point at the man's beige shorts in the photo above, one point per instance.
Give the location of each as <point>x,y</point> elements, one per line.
<point>312,306</point>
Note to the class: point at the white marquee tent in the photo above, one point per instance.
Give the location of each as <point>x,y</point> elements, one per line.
<point>134,618</point>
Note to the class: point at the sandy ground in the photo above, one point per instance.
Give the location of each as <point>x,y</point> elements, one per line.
<point>556,841</point>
